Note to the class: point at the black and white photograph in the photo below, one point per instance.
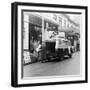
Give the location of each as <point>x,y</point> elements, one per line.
<point>51,44</point>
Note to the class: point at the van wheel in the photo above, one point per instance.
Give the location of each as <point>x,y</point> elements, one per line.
<point>48,58</point>
<point>70,55</point>
<point>61,58</point>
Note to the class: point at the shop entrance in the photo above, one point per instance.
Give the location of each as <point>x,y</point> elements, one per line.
<point>35,36</point>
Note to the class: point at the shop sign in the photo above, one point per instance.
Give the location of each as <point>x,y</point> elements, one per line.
<point>62,34</point>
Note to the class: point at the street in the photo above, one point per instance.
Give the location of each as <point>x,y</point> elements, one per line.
<point>68,66</point>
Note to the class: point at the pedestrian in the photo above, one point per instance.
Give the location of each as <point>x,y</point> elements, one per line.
<point>35,44</point>
<point>75,45</point>
<point>59,51</point>
<point>38,49</point>
<point>43,52</point>
<point>31,46</point>
<point>78,45</point>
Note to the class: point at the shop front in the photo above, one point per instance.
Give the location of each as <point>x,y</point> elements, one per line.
<point>38,28</point>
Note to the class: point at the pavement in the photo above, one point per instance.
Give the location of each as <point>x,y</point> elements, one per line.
<point>68,66</point>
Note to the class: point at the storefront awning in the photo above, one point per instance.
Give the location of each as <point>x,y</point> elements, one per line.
<point>37,20</point>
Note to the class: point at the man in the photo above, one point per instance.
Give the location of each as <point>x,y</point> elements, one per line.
<point>43,52</point>
<point>38,49</point>
<point>58,49</point>
<point>57,43</point>
<point>41,49</point>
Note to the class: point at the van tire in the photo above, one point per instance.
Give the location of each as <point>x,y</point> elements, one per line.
<point>70,55</point>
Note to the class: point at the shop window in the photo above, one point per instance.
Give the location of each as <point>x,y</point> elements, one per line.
<point>35,34</point>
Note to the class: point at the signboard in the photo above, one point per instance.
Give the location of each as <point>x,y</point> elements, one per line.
<point>62,34</point>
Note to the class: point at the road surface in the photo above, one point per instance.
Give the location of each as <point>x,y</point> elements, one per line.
<point>69,66</point>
